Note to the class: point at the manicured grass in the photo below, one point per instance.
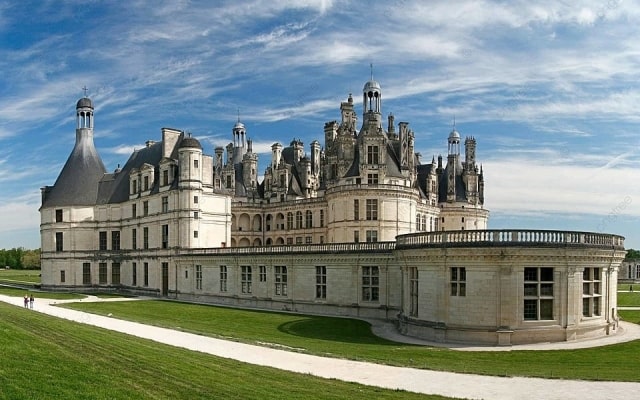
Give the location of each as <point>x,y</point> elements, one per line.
<point>29,276</point>
<point>352,339</point>
<point>629,299</point>
<point>44,295</point>
<point>630,316</point>
<point>625,286</point>
<point>48,358</point>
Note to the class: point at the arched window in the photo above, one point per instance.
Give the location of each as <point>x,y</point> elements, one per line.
<point>298,219</point>
<point>309,219</point>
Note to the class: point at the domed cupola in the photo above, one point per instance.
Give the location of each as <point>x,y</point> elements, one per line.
<point>372,97</point>
<point>190,142</point>
<point>454,142</point>
<point>84,113</point>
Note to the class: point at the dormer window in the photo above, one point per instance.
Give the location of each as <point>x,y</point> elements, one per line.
<point>373,155</point>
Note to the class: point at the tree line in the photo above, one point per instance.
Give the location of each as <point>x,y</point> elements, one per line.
<point>20,258</point>
<point>632,255</point>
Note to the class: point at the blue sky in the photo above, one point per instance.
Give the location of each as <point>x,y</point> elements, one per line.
<point>549,89</point>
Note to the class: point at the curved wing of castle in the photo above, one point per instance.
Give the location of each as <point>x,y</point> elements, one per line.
<point>359,227</point>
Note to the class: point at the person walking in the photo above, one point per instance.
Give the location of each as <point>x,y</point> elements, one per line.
<point>26,301</point>
<point>31,301</point>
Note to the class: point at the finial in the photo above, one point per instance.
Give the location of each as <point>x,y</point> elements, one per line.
<point>84,88</point>
<point>238,114</point>
<point>371,66</point>
<point>454,122</point>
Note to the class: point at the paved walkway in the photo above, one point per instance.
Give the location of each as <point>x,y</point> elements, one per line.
<point>414,380</point>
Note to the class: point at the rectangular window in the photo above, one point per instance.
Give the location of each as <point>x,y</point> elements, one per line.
<point>115,273</point>
<point>321,218</point>
<point>321,282</point>
<point>195,164</point>
<point>102,241</point>
<point>591,292</point>
<point>289,221</point>
<point>372,209</point>
<point>146,273</point>
<point>298,220</point>
<point>134,274</point>
<point>356,209</point>
<point>195,199</point>
<point>458,282</point>
<point>195,234</point>
<point>538,293</point>
<point>145,237</point>
<point>115,240</point>
<point>280,279</point>
<point>165,236</point>
<point>146,183</point>
<point>59,215</point>
<point>199,277</point>
<point>134,238</point>
<point>134,186</point>
<point>145,208</point>
<point>356,236</point>
<point>372,179</point>
<point>372,155</point>
<point>223,278</point>
<point>289,240</point>
<point>165,177</point>
<point>62,276</point>
<point>134,210</point>
<point>308,219</point>
<point>165,204</point>
<point>370,283</point>
<point>308,239</point>
<point>102,273</point>
<point>413,291</point>
<point>299,240</point>
<point>195,215</point>
<point>59,241</point>
<point>86,273</point>
<point>245,278</point>
<point>372,236</point>
<point>262,270</point>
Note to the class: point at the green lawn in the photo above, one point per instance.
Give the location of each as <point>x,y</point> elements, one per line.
<point>630,316</point>
<point>626,286</point>
<point>28,276</point>
<point>49,358</point>
<point>37,294</point>
<point>628,299</point>
<point>352,339</point>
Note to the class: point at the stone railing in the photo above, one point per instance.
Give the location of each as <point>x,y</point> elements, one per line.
<point>513,237</point>
<point>377,247</point>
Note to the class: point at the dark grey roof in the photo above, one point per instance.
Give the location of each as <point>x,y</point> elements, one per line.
<point>443,185</point>
<point>77,184</point>
<point>190,142</point>
<point>84,102</point>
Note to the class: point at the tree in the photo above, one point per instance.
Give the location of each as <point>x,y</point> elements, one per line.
<point>632,254</point>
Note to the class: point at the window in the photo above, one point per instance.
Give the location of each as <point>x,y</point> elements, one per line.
<point>413,291</point>
<point>289,240</point>
<point>195,199</point>
<point>165,236</point>
<point>356,209</point>
<point>370,283</point>
<point>228,182</point>
<point>298,219</point>
<point>195,215</point>
<point>223,278</point>
<point>134,210</point>
<point>134,238</point>
<point>417,222</point>
<point>538,293</point>
<point>356,236</point>
<point>59,215</point>
<point>165,177</point>
<point>195,234</point>
<point>102,273</point>
<point>59,241</point>
<point>321,218</point>
<point>62,276</point>
<point>308,239</point>
<point>591,292</point>
<point>186,274</point>
<point>372,155</point>
<point>289,221</point>
<point>146,273</point>
<point>145,185</point>
<point>246,278</point>
<point>262,272</point>
<point>309,219</point>
<point>86,273</point>
<point>165,204</point>
<point>321,282</point>
<point>280,279</point>
<point>134,274</point>
<point>372,179</point>
<point>199,277</point>
<point>115,273</point>
<point>134,186</point>
<point>102,240</point>
<point>372,209</point>
<point>115,240</point>
<point>195,164</point>
<point>145,208</point>
<point>145,237</point>
<point>458,281</point>
<point>372,236</point>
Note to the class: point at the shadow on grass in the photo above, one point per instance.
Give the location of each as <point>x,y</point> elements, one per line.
<point>334,330</point>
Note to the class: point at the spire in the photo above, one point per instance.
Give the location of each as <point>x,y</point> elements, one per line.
<point>371,66</point>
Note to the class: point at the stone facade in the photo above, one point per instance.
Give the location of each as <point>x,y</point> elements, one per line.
<point>358,228</point>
